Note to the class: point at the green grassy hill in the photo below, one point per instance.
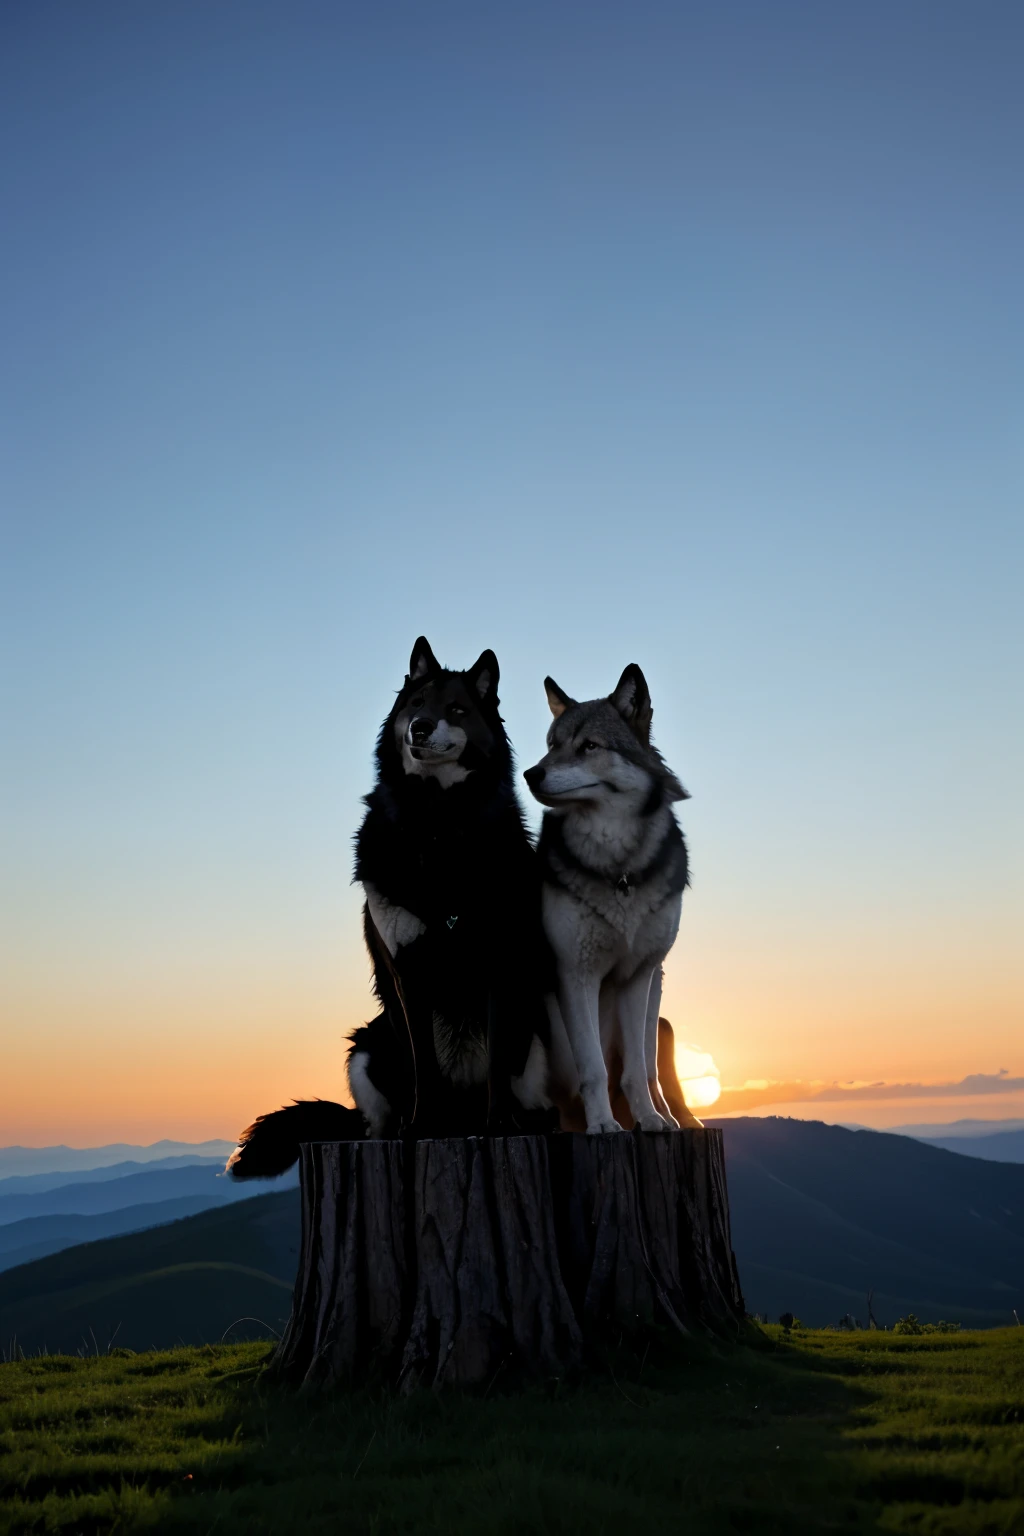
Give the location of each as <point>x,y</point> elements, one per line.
<point>822,1432</point>
<point>187,1281</point>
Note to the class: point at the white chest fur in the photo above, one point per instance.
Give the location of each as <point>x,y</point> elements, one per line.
<point>596,930</point>
<point>600,903</point>
<point>396,926</point>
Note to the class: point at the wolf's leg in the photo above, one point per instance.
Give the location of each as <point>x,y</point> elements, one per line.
<point>531,1088</point>
<point>608,1016</point>
<point>651,1048</point>
<point>578,996</point>
<point>406,985</point>
<point>430,1090</point>
<point>370,1102</point>
<point>651,1025</point>
<point>633,1000</point>
<point>396,926</point>
<point>500,1109</point>
<point>564,1078</point>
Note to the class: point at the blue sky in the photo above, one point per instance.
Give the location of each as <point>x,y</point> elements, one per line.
<point>689,335</point>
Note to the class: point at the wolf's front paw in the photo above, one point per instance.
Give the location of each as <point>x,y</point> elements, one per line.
<point>656,1122</point>
<point>603,1126</point>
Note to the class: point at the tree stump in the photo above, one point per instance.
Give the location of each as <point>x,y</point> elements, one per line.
<point>436,1263</point>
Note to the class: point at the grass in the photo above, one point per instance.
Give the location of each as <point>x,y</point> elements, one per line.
<point>818,1431</point>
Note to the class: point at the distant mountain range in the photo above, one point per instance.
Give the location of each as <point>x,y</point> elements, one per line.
<point>114,1194</point>
<point>954,1129</point>
<point>38,1183</point>
<point>821,1215</point>
<point>997,1141</point>
<point>20,1160</point>
<point>45,1212</point>
<point>994,1146</point>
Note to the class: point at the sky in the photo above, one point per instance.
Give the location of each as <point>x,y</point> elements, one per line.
<point>690,335</point>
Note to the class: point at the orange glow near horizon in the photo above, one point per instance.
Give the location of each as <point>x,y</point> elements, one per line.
<point>129,1042</point>
<point>138,1058</point>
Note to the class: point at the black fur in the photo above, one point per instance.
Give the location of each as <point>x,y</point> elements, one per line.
<point>270,1145</point>
<point>459,859</point>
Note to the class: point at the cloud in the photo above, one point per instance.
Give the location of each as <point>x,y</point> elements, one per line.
<point>753,1094</point>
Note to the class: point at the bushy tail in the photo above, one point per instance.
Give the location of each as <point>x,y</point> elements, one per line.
<point>668,1077</point>
<point>270,1145</point>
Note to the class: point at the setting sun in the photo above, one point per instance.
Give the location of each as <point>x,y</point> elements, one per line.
<point>701,1092</point>
<point>698,1076</point>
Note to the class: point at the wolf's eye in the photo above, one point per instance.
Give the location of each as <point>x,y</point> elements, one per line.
<point>590,746</point>
<point>416,702</point>
<point>456,709</point>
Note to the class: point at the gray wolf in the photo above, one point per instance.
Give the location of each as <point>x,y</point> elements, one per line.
<point>614,867</point>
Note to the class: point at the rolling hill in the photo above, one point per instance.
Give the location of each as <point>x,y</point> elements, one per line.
<point>185,1282</point>
<point>38,1236</point>
<point>821,1215</point>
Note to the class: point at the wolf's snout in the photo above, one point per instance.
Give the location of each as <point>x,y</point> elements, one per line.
<point>535,776</point>
<point>422,729</point>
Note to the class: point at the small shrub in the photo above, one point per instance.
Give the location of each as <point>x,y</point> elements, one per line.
<point>910,1324</point>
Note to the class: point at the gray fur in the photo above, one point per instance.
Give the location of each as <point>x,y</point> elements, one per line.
<point>614,869</point>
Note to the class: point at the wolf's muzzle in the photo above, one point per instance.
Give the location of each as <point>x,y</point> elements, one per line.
<point>421,730</point>
<point>535,776</point>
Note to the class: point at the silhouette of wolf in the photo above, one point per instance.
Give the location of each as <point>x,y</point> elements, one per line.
<point>452,922</point>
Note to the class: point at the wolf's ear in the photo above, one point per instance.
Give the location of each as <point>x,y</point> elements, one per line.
<point>558,702</point>
<point>483,675</point>
<point>632,699</point>
<point>673,789</point>
<point>422,662</point>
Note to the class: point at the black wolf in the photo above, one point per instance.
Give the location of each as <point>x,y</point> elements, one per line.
<point>452,917</point>
<point>452,922</point>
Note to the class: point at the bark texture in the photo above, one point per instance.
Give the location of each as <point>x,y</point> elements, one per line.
<point>438,1263</point>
